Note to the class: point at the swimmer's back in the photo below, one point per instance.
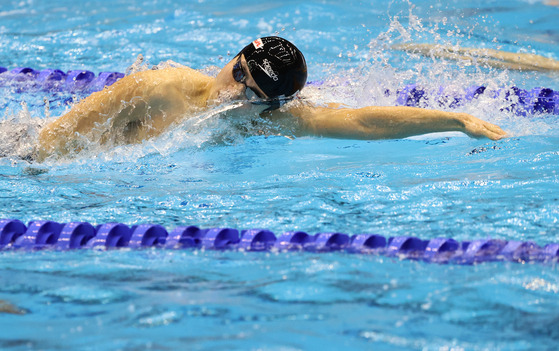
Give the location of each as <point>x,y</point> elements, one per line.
<point>135,108</point>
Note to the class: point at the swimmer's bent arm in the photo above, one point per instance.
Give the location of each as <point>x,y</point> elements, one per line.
<point>133,109</point>
<point>369,123</point>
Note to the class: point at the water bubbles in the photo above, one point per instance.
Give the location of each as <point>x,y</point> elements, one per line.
<point>137,66</point>
<point>47,107</point>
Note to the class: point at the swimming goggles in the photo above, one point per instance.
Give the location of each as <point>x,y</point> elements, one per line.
<point>253,95</point>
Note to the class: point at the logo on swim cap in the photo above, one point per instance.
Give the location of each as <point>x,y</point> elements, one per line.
<point>258,43</point>
<point>269,70</point>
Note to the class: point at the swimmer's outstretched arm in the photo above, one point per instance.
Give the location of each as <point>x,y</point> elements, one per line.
<point>489,57</point>
<point>390,122</point>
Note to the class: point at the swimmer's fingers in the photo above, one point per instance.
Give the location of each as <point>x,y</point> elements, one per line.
<point>492,131</point>
<point>495,134</point>
<point>478,128</point>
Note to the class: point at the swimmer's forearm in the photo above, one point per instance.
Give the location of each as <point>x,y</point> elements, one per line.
<point>371,123</point>
<point>379,123</point>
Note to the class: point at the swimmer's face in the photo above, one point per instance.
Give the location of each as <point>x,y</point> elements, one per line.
<point>236,83</point>
<point>241,74</point>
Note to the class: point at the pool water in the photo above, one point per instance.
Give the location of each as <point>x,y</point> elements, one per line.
<point>207,173</point>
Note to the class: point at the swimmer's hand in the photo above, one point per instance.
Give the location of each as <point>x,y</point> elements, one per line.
<point>477,128</point>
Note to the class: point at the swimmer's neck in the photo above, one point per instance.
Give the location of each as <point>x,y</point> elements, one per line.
<point>224,87</point>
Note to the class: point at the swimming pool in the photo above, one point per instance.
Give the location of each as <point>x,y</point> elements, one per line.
<point>212,176</point>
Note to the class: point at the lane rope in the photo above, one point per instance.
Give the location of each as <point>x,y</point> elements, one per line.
<point>55,80</point>
<point>41,234</point>
<point>520,101</point>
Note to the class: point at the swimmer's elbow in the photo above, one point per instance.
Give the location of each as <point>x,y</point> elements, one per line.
<point>45,146</point>
<point>51,141</point>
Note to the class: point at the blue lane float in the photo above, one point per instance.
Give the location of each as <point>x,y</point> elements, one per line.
<point>55,80</point>
<point>44,235</point>
<point>519,101</point>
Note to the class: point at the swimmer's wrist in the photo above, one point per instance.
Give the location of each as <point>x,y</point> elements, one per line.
<point>460,121</point>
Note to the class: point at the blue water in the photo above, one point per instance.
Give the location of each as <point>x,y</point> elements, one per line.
<point>211,175</point>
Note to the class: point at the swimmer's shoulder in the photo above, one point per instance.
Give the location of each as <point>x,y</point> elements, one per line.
<point>170,74</point>
<point>180,79</point>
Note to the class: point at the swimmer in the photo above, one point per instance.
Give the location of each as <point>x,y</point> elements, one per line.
<point>266,77</point>
<point>488,57</point>
<point>6,307</point>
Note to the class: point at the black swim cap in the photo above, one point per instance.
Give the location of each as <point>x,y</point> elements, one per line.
<point>276,65</point>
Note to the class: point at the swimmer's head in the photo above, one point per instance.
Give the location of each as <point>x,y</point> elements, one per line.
<point>276,65</point>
